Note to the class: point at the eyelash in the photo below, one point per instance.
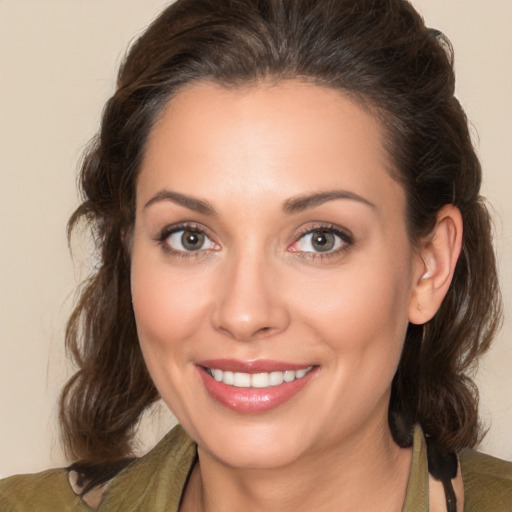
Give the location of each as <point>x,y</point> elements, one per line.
<point>345,236</point>
<point>168,231</point>
<point>347,241</point>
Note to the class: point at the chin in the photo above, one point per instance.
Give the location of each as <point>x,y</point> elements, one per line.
<point>254,447</point>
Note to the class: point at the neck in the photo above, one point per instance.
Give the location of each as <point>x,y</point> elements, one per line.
<point>369,472</point>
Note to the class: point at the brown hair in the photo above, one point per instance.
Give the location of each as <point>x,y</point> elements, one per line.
<point>380,53</point>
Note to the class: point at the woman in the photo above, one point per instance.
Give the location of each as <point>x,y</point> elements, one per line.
<point>295,258</point>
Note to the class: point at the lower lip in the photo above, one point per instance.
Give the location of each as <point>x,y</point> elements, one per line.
<point>253,400</point>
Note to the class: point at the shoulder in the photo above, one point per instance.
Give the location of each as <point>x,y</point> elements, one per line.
<point>156,480</point>
<point>47,491</point>
<point>152,482</point>
<point>487,482</point>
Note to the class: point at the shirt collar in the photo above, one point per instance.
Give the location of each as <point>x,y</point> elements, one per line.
<point>416,497</point>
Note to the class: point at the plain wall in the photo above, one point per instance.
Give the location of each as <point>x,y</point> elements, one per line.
<point>58,60</point>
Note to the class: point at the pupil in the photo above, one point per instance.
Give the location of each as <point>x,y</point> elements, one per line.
<point>192,240</point>
<point>323,241</point>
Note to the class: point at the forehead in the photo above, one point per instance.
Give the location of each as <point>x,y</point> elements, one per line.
<point>278,139</point>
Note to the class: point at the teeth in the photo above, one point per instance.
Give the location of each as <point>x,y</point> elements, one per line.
<point>228,377</point>
<point>257,380</point>
<point>300,373</point>
<point>242,380</point>
<point>276,378</point>
<point>260,380</point>
<point>289,376</point>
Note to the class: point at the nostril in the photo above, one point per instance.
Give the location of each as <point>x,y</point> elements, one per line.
<point>263,331</point>
<point>249,308</point>
<point>248,335</point>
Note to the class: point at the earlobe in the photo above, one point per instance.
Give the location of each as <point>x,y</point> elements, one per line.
<point>436,260</point>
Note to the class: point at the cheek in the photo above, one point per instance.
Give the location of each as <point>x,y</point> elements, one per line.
<point>361,319</point>
<point>168,303</point>
<point>362,314</point>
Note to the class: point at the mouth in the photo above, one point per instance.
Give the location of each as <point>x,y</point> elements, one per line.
<point>256,386</point>
<point>256,380</point>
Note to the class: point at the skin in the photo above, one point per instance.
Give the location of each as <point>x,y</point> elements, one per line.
<point>257,290</point>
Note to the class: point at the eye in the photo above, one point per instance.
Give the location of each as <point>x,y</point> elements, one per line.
<point>187,240</point>
<point>322,240</point>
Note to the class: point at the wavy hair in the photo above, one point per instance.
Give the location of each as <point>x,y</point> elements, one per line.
<point>378,52</point>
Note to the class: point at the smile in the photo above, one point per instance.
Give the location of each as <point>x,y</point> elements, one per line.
<point>257,380</point>
<point>254,386</point>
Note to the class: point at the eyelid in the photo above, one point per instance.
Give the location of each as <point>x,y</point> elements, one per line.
<point>169,230</point>
<point>344,234</point>
<point>346,237</point>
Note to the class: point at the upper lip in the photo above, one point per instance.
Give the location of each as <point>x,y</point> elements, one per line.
<point>254,366</point>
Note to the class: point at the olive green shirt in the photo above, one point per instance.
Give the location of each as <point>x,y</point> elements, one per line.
<point>155,482</point>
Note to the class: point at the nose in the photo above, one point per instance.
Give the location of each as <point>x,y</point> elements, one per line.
<point>250,303</point>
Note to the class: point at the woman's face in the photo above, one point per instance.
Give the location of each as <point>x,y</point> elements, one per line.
<point>271,270</point>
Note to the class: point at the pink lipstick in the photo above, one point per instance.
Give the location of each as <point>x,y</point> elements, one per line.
<point>253,386</point>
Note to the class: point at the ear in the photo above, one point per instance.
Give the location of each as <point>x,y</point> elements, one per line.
<point>435,264</point>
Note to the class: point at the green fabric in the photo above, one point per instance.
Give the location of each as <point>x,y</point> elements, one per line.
<point>416,497</point>
<point>155,483</point>
<point>487,482</point>
<point>48,491</point>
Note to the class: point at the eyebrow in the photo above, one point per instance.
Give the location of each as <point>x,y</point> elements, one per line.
<point>293,205</point>
<point>189,202</point>
<point>301,203</point>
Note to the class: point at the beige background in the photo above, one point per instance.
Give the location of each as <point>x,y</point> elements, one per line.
<point>57,67</point>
